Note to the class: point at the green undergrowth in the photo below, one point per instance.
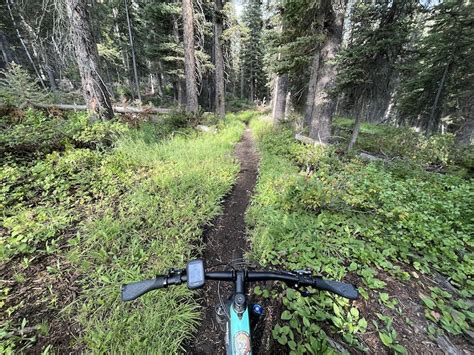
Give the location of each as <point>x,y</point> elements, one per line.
<point>349,220</point>
<point>409,146</point>
<point>127,207</point>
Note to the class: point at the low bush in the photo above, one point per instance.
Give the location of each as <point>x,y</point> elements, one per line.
<point>345,218</point>
<point>39,132</point>
<point>406,144</point>
<point>114,214</point>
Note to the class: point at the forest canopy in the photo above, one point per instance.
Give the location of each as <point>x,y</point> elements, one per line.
<point>391,62</point>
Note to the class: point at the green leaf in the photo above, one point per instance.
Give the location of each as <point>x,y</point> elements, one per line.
<point>400,349</point>
<point>355,312</point>
<point>362,324</point>
<point>384,297</point>
<point>428,302</point>
<point>292,345</point>
<point>386,339</point>
<point>283,340</point>
<point>286,315</point>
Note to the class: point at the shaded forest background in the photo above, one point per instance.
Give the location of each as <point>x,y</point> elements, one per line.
<point>392,62</point>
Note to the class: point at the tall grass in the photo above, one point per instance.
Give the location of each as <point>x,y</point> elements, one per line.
<point>154,226</point>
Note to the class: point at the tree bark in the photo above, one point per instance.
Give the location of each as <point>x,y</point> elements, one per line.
<point>241,82</point>
<point>357,124</point>
<point>49,70</point>
<point>219,60</point>
<point>132,48</point>
<point>324,104</point>
<point>465,135</point>
<point>5,49</point>
<point>189,57</point>
<point>95,92</point>
<point>431,122</point>
<point>312,88</point>
<point>279,104</point>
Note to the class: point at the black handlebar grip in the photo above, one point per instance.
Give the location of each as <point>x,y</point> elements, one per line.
<point>339,288</point>
<point>136,289</point>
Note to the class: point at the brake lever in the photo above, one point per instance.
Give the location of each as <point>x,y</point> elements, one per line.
<point>174,276</point>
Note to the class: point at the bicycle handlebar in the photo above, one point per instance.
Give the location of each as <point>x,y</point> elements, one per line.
<point>292,279</point>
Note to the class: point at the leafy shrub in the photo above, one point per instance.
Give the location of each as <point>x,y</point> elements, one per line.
<point>345,216</point>
<point>238,104</point>
<point>39,132</point>
<point>404,143</point>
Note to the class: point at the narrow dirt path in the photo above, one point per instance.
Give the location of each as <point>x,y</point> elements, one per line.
<point>225,241</point>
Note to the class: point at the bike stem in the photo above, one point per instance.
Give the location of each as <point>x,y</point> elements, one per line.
<point>239,302</point>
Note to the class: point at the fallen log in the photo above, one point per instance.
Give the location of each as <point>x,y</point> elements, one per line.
<point>117,109</point>
<point>307,140</point>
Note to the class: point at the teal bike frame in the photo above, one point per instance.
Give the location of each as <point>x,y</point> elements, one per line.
<point>238,329</point>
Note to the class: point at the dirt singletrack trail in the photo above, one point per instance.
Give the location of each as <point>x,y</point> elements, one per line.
<point>225,241</point>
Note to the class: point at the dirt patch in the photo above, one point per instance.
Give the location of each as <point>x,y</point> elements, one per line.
<point>37,292</point>
<point>408,315</point>
<point>225,242</point>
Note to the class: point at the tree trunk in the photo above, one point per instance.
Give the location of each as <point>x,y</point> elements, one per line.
<point>49,70</point>
<point>431,126</point>
<point>132,48</point>
<point>95,92</point>
<point>189,58</point>
<point>4,47</point>
<point>241,82</point>
<point>18,33</point>
<point>252,91</point>
<point>219,60</point>
<point>159,77</point>
<point>465,135</point>
<point>279,103</point>
<point>288,106</point>
<point>324,104</point>
<point>311,88</point>
<point>356,129</point>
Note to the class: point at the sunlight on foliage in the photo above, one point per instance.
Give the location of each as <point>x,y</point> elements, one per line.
<point>341,216</point>
<point>127,204</point>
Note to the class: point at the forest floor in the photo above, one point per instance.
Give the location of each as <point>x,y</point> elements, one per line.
<point>90,208</point>
<point>401,234</point>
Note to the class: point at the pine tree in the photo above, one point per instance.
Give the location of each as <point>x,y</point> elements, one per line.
<point>367,76</point>
<point>437,79</point>
<point>254,81</point>
<point>96,94</point>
